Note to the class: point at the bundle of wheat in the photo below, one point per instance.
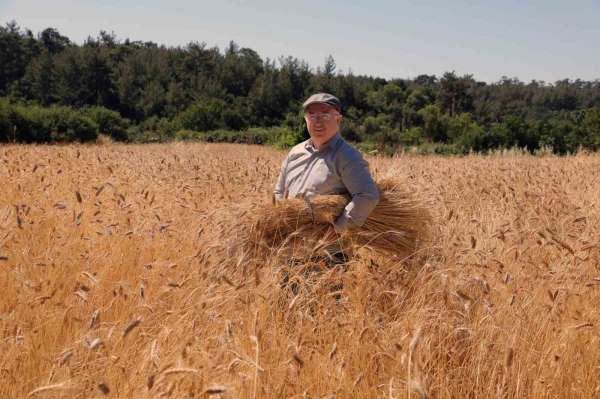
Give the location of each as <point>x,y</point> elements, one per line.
<point>396,225</point>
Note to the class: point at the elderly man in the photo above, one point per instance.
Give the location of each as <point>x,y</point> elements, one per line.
<point>327,164</point>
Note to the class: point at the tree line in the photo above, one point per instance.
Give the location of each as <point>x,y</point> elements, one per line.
<point>52,89</point>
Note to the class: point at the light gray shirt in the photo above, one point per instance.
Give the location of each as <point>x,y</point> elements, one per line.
<point>335,168</point>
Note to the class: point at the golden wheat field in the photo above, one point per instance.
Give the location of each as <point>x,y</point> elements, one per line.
<point>116,281</point>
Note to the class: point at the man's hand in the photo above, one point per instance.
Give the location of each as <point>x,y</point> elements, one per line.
<point>341,224</point>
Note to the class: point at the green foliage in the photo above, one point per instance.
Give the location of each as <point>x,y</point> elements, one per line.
<point>434,123</point>
<point>109,122</point>
<point>351,131</point>
<point>66,125</point>
<point>455,95</point>
<point>465,133</point>
<point>203,116</point>
<point>153,129</point>
<point>36,124</point>
<point>591,127</point>
<point>252,136</point>
<point>287,138</point>
<point>438,149</point>
<point>280,137</point>
<point>412,136</point>
<point>17,49</point>
<point>142,91</point>
<point>186,135</point>
<point>9,122</point>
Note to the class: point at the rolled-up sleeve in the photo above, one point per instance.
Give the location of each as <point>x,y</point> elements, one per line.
<point>363,191</point>
<point>279,190</point>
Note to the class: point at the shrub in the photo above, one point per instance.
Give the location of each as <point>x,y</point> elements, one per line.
<point>412,136</point>
<point>280,137</point>
<point>34,124</point>
<point>286,138</point>
<point>153,129</point>
<point>205,116</point>
<point>591,124</point>
<point>233,119</point>
<point>8,121</point>
<point>186,135</point>
<point>351,131</point>
<point>22,124</point>
<point>438,149</point>
<point>66,125</point>
<point>109,122</point>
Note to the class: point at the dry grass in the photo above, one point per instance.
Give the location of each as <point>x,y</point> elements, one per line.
<point>117,281</point>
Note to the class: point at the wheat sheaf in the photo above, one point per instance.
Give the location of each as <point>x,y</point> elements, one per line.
<point>397,226</point>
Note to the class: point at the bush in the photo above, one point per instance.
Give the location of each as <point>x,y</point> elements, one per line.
<point>205,116</point>
<point>351,131</point>
<point>233,119</point>
<point>153,130</point>
<point>373,125</point>
<point>496,137</point>
<point>412,136</point>
<point>67,125</point>
<point>286,138</point>
<point>471,139</point>
<point>109,122</point>
<point>438,149</point>
<point>280,137</point>
<point>8,122</point>
<point>34,124</point>
<point>22,124</point>
<point>466,134</point>
<point>186,135</point>
<point>434,123</point>
<point>591,125</point>
<point>367,147</point>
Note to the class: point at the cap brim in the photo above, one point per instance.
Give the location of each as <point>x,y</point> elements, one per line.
<point>334,106</point>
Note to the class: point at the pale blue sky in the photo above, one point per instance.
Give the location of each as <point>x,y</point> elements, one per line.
<point>544,40</point>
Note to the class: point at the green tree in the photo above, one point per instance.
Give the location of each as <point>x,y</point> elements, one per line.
<point>412,136</point>
<point>16,51</point>
<point>434,123</point>
<point>466,133</point>
<point>108,122</point>
<point>240,69</point>
<point>202,116</point>
<point>454,95</point>
<point>591,127</point>
<point>53,41</point>
<point>39,82</point>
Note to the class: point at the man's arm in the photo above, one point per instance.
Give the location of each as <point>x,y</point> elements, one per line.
<point>363,190</point>
<point>279,191</point>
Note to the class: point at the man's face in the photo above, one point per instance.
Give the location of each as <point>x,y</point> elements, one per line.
<point>322,121</point>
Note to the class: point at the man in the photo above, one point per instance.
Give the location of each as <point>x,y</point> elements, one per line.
<point>327,164</point>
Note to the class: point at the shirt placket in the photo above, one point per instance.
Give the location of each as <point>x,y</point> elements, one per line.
<point>306,172</point>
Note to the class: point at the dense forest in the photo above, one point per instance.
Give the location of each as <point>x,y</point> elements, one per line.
<point>54,90</point>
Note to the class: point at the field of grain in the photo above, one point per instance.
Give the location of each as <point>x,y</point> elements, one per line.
<point>116,283</point>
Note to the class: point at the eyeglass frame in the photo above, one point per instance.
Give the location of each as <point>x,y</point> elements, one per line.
<point>324,116</point>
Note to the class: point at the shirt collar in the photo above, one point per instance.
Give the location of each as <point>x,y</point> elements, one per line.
<point>330,144</point>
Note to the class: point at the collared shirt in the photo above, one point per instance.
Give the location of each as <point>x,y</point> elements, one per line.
<point>335,168</point>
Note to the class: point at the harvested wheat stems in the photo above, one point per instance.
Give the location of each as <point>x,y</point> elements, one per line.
<point>397,225</point>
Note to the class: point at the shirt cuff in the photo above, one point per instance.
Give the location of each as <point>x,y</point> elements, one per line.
<point>342,223</point>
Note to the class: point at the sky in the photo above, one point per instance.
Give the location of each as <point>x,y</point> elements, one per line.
<point>543,40</point>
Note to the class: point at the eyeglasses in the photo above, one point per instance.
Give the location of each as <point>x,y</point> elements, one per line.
<point>323,117</point>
